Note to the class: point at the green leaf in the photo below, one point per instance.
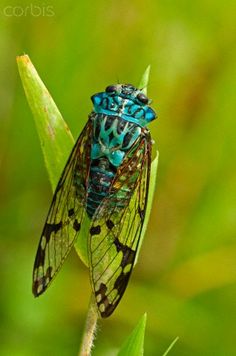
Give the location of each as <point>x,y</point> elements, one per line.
<point>143,85</point>
<point>55,136</point>
<point>171,346</point>
<point>152,186</point>
<point>134,345</point>
<point>144,80</point>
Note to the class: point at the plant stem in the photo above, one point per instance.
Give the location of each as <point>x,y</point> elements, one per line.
<point>90,329</point>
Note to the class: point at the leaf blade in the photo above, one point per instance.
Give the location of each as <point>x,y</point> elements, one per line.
<point>55,137</point>
<point>171,346</point>
<point>54,134</point>
<point>152,187</point>
<point>154,166</point>
<point>143,84</point>
<point>134,344</point>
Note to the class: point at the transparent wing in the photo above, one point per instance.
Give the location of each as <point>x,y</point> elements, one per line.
<point>65,214</point>
<point>116,227</point>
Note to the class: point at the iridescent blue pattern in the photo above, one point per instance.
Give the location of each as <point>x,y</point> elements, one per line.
<point>124,102</point>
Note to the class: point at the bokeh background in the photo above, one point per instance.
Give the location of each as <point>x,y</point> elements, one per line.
<point>185,278</point>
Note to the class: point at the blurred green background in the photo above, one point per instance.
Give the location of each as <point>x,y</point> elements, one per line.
<point>185,278</point>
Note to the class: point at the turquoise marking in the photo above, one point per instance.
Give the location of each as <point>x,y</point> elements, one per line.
<point>111,141</point>
<point>100,194</point>
<point>124,103</point>
<point>97,169</point>
<point>92,200</point>
<point>115,157</point>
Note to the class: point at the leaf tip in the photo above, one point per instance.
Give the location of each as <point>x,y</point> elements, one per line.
<point>134,344</point>
<point>144,318</point>
<point>23,58</point>
<point>144,80</point>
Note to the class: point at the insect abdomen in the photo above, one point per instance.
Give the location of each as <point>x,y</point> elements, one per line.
<point>100,179</point>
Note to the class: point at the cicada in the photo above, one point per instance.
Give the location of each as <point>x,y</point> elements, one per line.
<point>106,178</point>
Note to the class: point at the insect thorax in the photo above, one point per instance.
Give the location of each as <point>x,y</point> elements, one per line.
<point>112,137</point>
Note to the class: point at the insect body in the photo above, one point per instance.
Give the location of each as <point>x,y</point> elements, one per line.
<point>107,178</point>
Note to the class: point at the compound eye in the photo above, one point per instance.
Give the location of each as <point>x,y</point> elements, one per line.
<point>111,89</point>
<point>143,98</point>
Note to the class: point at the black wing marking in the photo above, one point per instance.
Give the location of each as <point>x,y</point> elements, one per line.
<point>117,225</point>
<point>65,214</point>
